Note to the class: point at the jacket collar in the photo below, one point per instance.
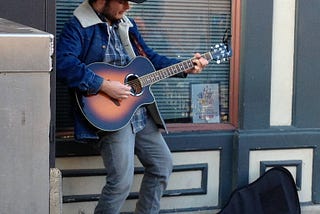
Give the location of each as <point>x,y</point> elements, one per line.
<point>88,17</point>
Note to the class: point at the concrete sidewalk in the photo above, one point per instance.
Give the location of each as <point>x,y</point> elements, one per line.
<point>310,209</point>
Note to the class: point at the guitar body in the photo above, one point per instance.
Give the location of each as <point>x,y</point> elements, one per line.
<point>106,113</point>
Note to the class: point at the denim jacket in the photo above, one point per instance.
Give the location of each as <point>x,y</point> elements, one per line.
<point>82,42</point>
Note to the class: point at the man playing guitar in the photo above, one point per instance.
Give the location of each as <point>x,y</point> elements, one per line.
<point>99,31</point>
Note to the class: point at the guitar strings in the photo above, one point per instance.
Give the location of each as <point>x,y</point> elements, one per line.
<point>170,71</point>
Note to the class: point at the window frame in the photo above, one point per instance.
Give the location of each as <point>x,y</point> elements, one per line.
<point>233,83</point>
<point>233,87</point>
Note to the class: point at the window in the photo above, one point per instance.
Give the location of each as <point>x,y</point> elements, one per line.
<point>175,28</point>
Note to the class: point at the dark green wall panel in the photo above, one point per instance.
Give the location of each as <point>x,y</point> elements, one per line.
<point>307,78</point>
<point>255,65</point>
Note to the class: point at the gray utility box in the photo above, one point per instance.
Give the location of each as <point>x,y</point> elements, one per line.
<point>25,67</point>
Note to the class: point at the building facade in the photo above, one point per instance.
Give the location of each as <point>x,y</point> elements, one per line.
<point>273,114</point>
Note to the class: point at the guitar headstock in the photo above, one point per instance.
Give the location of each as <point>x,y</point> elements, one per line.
<point>221,52</point>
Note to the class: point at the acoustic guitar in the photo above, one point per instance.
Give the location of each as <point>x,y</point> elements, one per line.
<point>108,114</point>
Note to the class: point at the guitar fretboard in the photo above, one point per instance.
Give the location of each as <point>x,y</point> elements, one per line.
<point>164,73</point>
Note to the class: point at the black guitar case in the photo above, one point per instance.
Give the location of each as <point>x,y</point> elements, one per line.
<point>274,192</point>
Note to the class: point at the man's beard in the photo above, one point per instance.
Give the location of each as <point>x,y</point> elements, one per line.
<point>109,16</point>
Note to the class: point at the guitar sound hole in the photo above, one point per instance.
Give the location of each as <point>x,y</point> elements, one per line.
<point>134,82</point>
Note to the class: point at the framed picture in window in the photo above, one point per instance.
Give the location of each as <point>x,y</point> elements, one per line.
<point>205,103</point>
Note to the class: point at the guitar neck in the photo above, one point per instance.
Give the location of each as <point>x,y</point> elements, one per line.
<point>172,70</point>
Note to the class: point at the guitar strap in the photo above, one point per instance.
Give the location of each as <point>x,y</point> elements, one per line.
<point>139,48</point>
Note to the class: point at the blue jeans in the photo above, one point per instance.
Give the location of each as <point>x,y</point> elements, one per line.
<point>118,150</point>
